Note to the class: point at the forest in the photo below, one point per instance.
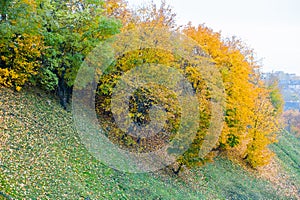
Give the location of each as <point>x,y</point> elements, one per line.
<point>134,68</point>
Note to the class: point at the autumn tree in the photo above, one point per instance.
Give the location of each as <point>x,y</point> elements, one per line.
<point>243,135</point>
<point>148,23</point>
<point>153,16</point>
<point>246,132</point>
<point>144,19</point>
<point>46,41</point>
<point>236,72</point>
<point>265,125</point>
<point>117,9</point>
<point>21,43</point>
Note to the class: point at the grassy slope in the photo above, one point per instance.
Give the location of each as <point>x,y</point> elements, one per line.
<point>41,157</point>
<point>288,153</point>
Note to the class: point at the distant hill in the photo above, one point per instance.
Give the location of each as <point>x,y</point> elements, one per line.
<point>290,87</point>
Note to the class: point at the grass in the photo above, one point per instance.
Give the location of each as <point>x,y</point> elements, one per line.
<point>41,157</point>
<point>288,153</point>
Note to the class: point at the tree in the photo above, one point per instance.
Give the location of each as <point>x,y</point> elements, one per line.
<point>71,30</point>
<point>153,16</point>
<point>266,124</point>
<point>252,110</point>
<point>145,19</point>
<point>148,21</point>
<point>243,134</point>
<point>20,43</point>
<point>236,72</point>
<point>46,41</point>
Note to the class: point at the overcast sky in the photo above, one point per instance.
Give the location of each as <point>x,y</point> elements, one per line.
<point>270,27</point>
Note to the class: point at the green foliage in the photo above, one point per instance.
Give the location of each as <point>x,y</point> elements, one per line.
<point>276,99</point>
<point>46,41</point>
<point>47,79</point>
<point>276,96</point>
<point>71,32</point>
<point>20,43</point>
<point>232,140</point>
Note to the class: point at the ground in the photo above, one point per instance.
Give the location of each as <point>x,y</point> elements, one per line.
<point>41,157</point>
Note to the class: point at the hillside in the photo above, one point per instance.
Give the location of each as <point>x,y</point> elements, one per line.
<point>41,157</point>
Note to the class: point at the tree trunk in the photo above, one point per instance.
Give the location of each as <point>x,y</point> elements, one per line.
<point>176,171</point>
<point>63,93</point>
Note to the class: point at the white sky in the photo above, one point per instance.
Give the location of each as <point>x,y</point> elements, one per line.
<point>270,27</point>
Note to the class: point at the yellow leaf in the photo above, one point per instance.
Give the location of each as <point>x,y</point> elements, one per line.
<point>18,88</point>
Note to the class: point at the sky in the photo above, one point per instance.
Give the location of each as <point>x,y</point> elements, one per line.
<point>270,27</point>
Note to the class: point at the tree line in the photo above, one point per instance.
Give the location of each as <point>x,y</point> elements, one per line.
<point>44,42</point>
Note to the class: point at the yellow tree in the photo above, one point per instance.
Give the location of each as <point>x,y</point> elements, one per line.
<point>242,130</point>
<point>265,125</point>
<point>157,25</point>
<point>20,43</point>
<point>145,19</point>
<point>117,9</point>
<point>236,72</point>
<point>252,109</point>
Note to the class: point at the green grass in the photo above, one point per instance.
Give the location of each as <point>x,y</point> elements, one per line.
<point>288,153</point>
<point>42,158</point>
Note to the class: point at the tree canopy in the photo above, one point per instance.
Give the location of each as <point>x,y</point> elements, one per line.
<point>45,42</point>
